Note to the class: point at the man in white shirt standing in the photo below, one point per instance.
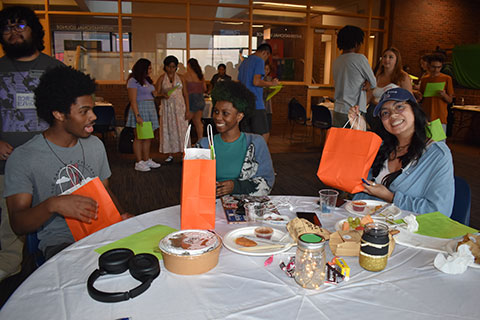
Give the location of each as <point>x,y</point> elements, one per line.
<point>352,75</point>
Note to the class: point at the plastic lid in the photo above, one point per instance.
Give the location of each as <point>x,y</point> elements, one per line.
<point>311,241</point>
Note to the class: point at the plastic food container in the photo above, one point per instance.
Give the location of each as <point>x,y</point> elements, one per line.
<point>264,232</point>
<point>189,252</point>
<point>359,206</point>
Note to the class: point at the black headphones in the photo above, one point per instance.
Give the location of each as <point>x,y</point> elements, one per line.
<point>143,267</point>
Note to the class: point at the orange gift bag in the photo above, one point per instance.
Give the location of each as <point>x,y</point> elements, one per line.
<point>198,186</point>
<point>107,213</point>
<point>347,157</point>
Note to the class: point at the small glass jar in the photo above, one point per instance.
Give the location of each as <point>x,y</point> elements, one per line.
<point>310,261</point>
<point>374,247</point>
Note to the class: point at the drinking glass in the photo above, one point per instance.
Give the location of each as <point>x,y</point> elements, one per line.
<point>328,200</point>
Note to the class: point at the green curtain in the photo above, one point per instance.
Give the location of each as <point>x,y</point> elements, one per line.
<point>466,65</point>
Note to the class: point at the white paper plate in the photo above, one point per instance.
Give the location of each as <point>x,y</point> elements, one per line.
<point>371,207</point>
<point>451,247</point>
<point>229,241</point>
<point>339,224</point>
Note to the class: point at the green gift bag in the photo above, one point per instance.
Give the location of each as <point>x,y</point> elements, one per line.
<point>436,132</point>
<point>145,131</point>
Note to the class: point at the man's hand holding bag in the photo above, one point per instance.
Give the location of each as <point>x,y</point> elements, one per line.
<point>107,212</point>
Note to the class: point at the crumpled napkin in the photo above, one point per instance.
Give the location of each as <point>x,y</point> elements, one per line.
<point>455,263</point>
<point>412,224</point>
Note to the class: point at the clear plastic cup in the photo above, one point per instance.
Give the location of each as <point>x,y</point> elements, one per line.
<point>254,211</point>
<point>328,200</point>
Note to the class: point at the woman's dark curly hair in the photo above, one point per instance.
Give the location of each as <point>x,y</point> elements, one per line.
<point>168,60</point>
<point>58,89</point>
<point>390,142</point>
<point>349,37</point>
<point>236,93</point>
<point>196,68</point>
<point>140,71</point>
<point>18,13</point>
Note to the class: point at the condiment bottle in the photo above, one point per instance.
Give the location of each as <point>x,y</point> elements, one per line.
<point>374,247</point>
<point>310,261</point>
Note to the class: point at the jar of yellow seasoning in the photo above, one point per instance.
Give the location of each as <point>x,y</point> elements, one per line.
<point>310,261</point>
<point>374,247</point>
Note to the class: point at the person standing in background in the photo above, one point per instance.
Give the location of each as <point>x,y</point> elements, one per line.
<point>173,108</point>
<point>251,73</point>
<point>352,75</point>
<point>196,87</point>
<point>20,71</point>
<point>220,76</point>
<point>436,107</point>
<point>141,93</point>
<point>268,103</point>
<point>389,75</point>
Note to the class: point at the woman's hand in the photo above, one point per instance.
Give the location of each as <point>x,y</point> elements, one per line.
<point>5,150</point>
<point>378,190</point>
<point>224,187</point>
<point>357,122</point>
<point>126,215</point>
<point>139,119</point>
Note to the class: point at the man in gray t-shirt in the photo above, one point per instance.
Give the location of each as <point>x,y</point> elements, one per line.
<point>39,170</point>
<point>352,75</point>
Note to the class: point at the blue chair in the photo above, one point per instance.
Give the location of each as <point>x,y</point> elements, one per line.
<point>32,248</point>
<point>462,201</point>
<point>322,119</point>
<point>105,120</point>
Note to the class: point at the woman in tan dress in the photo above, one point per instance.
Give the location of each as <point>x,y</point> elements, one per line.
<point>173,108</point>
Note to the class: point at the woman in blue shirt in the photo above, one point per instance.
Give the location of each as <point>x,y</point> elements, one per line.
<point>410,170</point>
<point>243,160</point>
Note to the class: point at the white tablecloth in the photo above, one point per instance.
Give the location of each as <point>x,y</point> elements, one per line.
<point>240,287</point>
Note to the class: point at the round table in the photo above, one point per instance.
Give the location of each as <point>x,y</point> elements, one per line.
<point>241,287</point>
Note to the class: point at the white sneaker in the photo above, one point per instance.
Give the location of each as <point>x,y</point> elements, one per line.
<point>169,159</point>
<point>152,164</point>
<point>142,166</point>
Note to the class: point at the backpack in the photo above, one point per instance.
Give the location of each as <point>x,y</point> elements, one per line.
<point>125,143</point>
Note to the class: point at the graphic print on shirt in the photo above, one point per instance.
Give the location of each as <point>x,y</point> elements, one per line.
<point>17,103</point>
<point>66,178</point>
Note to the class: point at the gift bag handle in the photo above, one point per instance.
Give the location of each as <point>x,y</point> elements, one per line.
<point>70,170</point>
<point>187,137</point>
<point>210,140</point>
<point>209,137</point>
<point>353,123</point>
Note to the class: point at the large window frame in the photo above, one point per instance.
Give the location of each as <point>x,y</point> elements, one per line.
<point>309,25</point>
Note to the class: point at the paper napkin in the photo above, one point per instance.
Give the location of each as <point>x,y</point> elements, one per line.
<point>145,241</point>
<point>438,225</point>
<point>455,263</point>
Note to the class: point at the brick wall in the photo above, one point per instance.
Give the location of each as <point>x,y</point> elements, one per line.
<point>117,95</point>
<point>419,26</point>
<point>280,102</point>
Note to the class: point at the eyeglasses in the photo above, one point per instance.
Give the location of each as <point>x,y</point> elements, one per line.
<point>398,109</point>
<point>18,27</point>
